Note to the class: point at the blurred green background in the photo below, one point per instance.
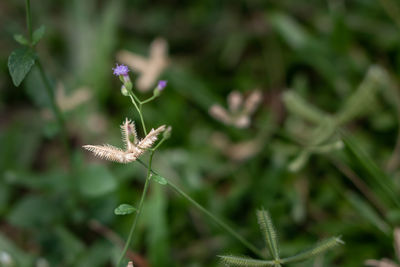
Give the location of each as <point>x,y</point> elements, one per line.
<point>57,205</point>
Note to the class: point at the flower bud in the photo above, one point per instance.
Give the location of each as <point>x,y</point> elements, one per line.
<point>160,86</point>
<point>124,91</point>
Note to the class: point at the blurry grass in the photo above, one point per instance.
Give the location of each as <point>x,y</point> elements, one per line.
<point>320,50</point>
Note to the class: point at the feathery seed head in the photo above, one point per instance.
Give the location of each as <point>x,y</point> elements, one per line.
<point>133,147</point>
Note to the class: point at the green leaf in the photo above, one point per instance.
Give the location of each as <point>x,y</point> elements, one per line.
<point>364,98</point>
<point>96,180</point>
<point>157,241</point>
<point>268,230</point>
<point>20,63</point>
<point>21,39</point>
<point>378,176</point>
<point>124,209</point>
<point>159,179</point>
<point>38,34</point>
<point>368,212</point>
<point>298,106</point>
<point>299,162</point>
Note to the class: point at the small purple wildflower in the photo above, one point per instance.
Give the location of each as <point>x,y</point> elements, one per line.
<point>120,70</point>
<point>161,85</point>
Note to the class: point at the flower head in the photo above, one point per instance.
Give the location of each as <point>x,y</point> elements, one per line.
<point>161,85</point>
<point>120,70</point>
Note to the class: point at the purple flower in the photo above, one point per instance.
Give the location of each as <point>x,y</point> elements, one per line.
<point>161,85</point>
<point>121,70</point>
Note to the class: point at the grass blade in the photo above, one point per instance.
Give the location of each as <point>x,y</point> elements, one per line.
<point>320,248</point>
<point>268,230</point>
<point>244,261</point>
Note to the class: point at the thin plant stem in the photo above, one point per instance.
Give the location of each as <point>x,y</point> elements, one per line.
<point>56,110</point>
<point>142,120</point>
<point>148,100</point>
<point>28,19</point>
<point>218,221</point>
<point>139,211</point>
<point>139,110</point>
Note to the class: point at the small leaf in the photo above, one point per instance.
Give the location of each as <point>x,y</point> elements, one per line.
<point>21,39</point>
<point>124,209</point>
<point>20,63</point>
<point>159,179</point>
<point>38,34</point>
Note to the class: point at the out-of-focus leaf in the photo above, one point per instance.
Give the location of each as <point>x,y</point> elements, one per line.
<point>376,174</point>
<point>96,180</point>
<point>191,87</point>
<point>159,179</point>
<point>21,39</point>
<point>158,243</point>
<point>33,211</point>
<point>20,63</point>
<point>124,209</point>
<point>96,255</point>
<point>18,256</point>
<point>364,97</point>
<point>294,34</point>
<point>299,161</point>
<point>368,213</point>
<point>72,247</point>
<point>300,107</point>
<point>38,34</point>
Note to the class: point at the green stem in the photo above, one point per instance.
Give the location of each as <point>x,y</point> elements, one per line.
<point>142,120</point>
<point>218,221</point>
<point>28,19</point>
<point>56,110</point>
<point>139,211</point>
<point>139,110</point>
<point>148,100</point>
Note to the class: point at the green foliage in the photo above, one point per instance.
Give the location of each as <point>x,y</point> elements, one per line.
<point>21,39</point>
<point>326,160</point>
<point>38,34</point>
<point>159,179</point>
<point>244,261</point>
<point>270,236</point>
<point>20,63</point>
<point>96,181</point>
<point>124,209</point>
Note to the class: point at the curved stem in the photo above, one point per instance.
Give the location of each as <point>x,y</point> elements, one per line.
<point>139,211</point>
<point>218,221</point>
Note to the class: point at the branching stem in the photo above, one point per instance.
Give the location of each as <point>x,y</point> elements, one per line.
<point>218,221</point>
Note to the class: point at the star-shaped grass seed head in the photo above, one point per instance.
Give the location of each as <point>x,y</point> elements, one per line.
<point>271,241</point>
<point>134,147</point>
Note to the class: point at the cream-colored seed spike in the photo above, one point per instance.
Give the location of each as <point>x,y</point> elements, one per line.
<point>128,129</point>
<point>150,138</point>
<point>132,151</point>
<point>108,152</point>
